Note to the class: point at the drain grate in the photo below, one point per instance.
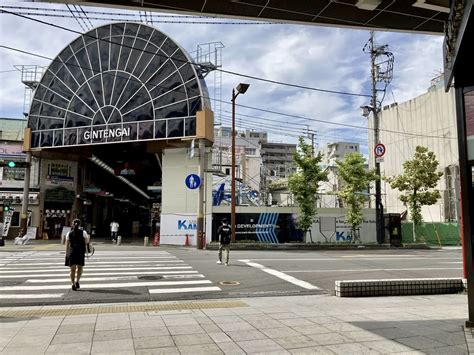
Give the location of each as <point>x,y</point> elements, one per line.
<point>150,277</point>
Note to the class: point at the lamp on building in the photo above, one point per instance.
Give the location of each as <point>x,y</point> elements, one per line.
<point>239,89</point>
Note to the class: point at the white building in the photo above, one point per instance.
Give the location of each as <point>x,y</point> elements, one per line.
<point>332,153</point>
<point>428,120</point>
<point>338,151</point>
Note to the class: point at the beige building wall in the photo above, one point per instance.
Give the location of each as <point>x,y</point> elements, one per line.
<point>428,120</point>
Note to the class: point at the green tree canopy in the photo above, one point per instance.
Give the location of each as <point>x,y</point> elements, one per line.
<point>417,183</point>
<point>304,184</point>
<point>355,179</point>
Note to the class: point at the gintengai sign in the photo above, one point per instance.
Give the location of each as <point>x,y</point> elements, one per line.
<point>107,133</point>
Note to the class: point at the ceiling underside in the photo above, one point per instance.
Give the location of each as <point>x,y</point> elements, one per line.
<point>425,16</point>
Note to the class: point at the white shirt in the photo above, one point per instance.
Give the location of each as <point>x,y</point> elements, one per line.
<point>114,226</point>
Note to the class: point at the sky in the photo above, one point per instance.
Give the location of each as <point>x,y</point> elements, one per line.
<point>319,57</point>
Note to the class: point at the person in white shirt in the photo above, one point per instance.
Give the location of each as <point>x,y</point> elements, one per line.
<point>114,227</point>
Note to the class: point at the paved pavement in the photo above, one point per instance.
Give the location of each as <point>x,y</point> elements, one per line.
<point>313,324</point>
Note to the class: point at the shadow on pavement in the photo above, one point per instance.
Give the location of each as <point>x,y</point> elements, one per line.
<point>440,336</point>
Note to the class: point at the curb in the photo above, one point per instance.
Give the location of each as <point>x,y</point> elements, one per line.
<point>399,287</point>
<point>315,246</point>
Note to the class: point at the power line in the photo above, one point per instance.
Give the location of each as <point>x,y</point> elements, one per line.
<point>152,16</point>
<point>266,110</point>
<point>190,62</point>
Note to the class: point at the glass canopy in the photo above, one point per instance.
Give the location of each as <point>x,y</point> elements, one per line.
<point>117,83</point>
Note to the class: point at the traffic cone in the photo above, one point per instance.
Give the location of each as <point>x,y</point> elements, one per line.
<point>186,241</point>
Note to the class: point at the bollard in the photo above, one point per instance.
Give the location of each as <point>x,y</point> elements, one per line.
<point>119,240</point>
<point>145,241</point>
<point>63,239</point>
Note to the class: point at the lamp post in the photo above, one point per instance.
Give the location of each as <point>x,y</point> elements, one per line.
<point>239,89</point>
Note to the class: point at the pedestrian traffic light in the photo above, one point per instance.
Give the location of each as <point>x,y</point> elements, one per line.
<point>13,164</point>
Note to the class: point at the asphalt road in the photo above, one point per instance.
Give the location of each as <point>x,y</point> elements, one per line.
<point>36,275</point>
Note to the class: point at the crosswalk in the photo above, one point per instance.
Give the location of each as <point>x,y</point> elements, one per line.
<point>41,275</point>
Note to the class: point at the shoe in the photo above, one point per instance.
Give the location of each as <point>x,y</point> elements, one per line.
<point>226,264</point>
<point>114,241</point>
<point>78,286</point>
<point>219,262</point>
<point>73,287</point>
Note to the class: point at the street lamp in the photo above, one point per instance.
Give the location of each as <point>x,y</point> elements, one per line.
<point>239,89</point>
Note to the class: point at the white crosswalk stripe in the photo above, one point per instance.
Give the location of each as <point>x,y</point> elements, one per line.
<point>41,275</point>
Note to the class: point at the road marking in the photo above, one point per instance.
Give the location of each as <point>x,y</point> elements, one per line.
<point>102,285</point>
<point>450,262</point>
<point>359,270</point>
<point>33,295</point>
<point>15,271</point>
<point>90,262</point>
<point>282,276</point>
<point>111,278</point>
<point>188,289</point>
<point>104,273</point>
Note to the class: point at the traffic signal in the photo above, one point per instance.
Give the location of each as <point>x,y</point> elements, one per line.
<point>6,206</point>
<point>13,164</point>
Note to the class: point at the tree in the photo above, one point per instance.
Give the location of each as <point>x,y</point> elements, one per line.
<point>355,180</point>
<point>304,184</point>
<point>417,182</point>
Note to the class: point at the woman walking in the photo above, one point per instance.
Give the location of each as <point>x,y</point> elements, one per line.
<point>76,241</point>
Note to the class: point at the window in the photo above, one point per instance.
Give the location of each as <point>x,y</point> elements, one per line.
<point>15,222</point>
<point>58,169</point>
<point>16,174</point>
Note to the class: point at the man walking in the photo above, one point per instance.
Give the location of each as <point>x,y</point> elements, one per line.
<point>114,227</point>
<point>224,234</point>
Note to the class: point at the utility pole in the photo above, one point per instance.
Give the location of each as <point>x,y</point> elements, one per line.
<point>311,135</point>
<point>200,217</point>
<point>381,72</point>
<point>26,196</point>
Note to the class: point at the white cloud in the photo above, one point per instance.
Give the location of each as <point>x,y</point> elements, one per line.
<point>326,58</point>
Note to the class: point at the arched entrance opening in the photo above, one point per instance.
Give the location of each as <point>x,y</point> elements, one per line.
<point>105,110</point>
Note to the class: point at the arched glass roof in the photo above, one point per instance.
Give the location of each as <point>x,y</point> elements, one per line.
<point>119,82</point>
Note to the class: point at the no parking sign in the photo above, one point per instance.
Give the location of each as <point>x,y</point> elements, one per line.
<point>379,150</point>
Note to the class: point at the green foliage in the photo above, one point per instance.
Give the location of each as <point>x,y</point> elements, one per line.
<point>304,184</point>
<point>355,181</point>
<point>417,182</point>
<point>277,185</point>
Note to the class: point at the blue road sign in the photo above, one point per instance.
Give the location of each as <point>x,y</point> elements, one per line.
<point>192,181</point>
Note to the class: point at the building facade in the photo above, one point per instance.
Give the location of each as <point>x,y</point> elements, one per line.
<point>428,120</point>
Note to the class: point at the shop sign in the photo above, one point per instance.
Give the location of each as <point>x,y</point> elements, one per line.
<point>107,133</point>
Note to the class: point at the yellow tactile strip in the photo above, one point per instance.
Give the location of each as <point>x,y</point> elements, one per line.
<point>57,312</point>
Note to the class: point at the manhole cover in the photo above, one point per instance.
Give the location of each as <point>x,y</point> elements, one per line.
<point>229,283</point>
<point>150,278</point>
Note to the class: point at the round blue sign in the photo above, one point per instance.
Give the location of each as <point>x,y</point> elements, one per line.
<point>192,181</point>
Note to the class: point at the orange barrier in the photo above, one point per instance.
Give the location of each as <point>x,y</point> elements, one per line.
<point>156,239</point>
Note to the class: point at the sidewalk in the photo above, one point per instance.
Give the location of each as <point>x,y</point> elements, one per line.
<point>319,324</point>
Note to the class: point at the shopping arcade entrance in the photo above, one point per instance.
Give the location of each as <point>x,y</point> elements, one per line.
<point>113,101</point>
